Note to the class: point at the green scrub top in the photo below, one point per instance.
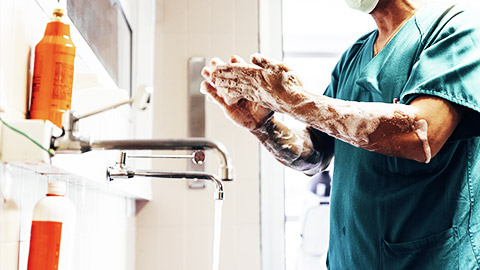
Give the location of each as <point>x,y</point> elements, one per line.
<point>393,213</point>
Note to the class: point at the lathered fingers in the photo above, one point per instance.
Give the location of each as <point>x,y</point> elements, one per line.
<point>214,62</point>
<point>235,59</point>
<point>263,62</point>
<point>206,87</point>
<point>207,73</point>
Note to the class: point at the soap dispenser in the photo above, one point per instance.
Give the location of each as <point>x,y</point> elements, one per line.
<point>53,231</point>
<point>53,72</point>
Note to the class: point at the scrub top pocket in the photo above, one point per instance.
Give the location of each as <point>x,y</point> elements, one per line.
<point>438,251</point>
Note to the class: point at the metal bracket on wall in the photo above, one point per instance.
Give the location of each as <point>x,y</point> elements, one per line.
<point>196,111</point>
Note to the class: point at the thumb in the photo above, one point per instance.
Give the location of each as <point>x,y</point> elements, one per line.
<point>206,87</point>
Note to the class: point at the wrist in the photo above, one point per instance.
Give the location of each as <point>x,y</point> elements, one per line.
<point>262,130</point>
<point>261,124</point>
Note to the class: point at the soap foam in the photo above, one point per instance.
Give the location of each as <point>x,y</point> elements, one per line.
<point>421,128</point>
<point>289,146</point>
<point>279,89</point>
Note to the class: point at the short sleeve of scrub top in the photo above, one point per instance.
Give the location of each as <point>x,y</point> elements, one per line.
<point>449,67</point>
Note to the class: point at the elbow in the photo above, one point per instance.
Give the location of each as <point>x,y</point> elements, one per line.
<point>408,148</point>
<point>413,144</point>
<point>430,150</point>
<point>420,158</point>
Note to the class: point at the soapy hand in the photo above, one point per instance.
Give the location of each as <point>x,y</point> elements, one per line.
<point>267,82</point>
<point>292,147</point>
<point>245,113</point>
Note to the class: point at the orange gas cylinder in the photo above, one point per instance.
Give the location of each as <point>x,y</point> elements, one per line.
<point>53,72</point>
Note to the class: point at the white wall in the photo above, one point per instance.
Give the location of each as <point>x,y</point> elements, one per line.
<point>14,57</point>
<point>175,229</point>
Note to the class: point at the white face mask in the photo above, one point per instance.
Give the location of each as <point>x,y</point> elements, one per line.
<point>366,6</point>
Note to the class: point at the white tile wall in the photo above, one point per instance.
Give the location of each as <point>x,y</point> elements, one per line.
<point>175,230</point>
<point>222,17</point>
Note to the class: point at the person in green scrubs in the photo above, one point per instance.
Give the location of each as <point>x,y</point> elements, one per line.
<point>401,116</point>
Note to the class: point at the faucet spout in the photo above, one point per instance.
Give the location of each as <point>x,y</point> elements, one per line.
<point>124,172</point>
<point>187,175</point>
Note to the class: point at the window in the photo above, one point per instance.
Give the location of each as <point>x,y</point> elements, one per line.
<point>105,28</point>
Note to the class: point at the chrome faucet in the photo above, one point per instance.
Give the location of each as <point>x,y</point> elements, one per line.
<point>120,170</point>
<point>71,141</point>
<point>194,144</point>
<point>77,145</point>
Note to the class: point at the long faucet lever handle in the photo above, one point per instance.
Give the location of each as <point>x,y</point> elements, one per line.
<point>103,109</point>
<point>141,100</point>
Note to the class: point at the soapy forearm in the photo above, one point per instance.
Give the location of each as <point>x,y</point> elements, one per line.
<point>391,129</point>
<point>363,124</point>
<point>293,147</point>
